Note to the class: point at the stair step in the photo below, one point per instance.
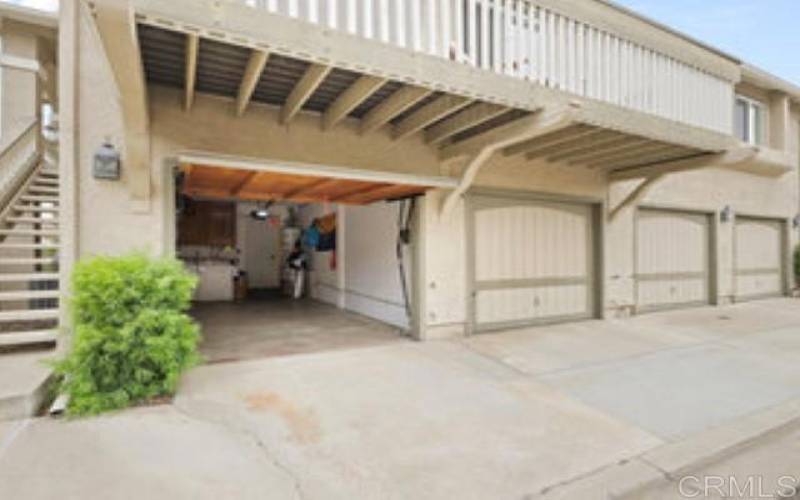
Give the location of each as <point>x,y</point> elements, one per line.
<point>43,189</point>
<point>49,172</point>
<point>31,220</point>
<point>23,277</point>
<point>31,208</point>
<point>29,315</point>
<point>46,181</point>
<point>27,261</point>
<point>39,199</point>
<point>28,232</point>
<point>29,295</point>
<point>18,339</point>
<point>28,246</point>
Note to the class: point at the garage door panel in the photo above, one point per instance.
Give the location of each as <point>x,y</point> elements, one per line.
<point>533,261</point>
<point>758,263</point>
<point>558,240</point>
<point>531,304</point>
<point>672,259</point>
<point>759,284</point>
<point>671,292</point>
<point>672,242</point>
<point>758,245</point>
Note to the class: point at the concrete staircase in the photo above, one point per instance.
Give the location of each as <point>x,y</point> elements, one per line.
<point>29,246</point>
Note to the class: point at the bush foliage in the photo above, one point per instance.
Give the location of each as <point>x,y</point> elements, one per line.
<point>132,338</point>
<point>797,261</point>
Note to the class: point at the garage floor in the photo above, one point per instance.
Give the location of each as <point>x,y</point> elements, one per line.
<point>272,325</point>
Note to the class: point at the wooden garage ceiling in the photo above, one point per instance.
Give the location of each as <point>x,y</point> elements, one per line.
<point>204,181</point>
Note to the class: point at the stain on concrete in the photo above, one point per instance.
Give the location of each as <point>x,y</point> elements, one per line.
<point>302,423</point>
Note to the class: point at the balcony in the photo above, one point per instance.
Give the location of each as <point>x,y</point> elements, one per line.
<point>458,74</point>
<point>537,42</point>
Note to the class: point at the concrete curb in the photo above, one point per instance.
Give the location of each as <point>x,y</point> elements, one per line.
<point>28,401</point>
<point>632,479</point>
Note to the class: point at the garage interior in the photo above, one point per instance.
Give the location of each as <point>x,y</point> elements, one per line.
<point>239,230</point>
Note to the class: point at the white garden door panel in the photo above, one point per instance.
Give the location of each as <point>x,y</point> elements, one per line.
<point>672,259</point>
<point>532,262</point>
<point>758,258</point>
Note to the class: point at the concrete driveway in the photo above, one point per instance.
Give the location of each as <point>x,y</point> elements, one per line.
<point>509,415</point>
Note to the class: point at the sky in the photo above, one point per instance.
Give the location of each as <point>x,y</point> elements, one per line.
<point>760,32</point>
<point>36,4</point>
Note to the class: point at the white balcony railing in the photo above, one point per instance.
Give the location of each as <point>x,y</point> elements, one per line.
<point>522,39</point>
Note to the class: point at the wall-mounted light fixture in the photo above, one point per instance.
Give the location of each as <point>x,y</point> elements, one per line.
<point>107,162</point>
<point>796,221</point>
<point>726,215</point>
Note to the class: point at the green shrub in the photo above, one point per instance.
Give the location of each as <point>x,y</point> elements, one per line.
<point>797,262</point>
<point>132,338</point>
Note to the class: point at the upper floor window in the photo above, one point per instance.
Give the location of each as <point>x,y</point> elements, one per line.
<point>750,117</point>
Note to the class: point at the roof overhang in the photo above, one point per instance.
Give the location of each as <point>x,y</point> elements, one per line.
<point>762,79</point>
<point>225,177</point>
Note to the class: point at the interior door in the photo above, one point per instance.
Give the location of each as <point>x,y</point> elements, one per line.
<point>262,254</point>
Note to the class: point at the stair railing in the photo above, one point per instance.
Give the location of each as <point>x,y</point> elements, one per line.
<point>18,159</point>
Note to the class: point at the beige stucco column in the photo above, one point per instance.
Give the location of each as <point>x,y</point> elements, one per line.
<point>20,94</point>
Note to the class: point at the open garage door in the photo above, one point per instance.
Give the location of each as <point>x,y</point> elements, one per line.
<point>532,262</point>
<point>296,258</point>
<point>759,258</point>
<point>672,259</point>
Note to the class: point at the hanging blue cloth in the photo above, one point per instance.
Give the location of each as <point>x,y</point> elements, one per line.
<point>327,242</point>
<point>311,236</point>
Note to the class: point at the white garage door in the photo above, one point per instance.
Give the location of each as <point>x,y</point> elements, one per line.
<point>533,261</point>
<point>758,258</point>
<point>672,259</point>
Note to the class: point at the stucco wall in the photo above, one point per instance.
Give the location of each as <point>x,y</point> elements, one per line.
<point>110,222</point>
<point>20,88</point>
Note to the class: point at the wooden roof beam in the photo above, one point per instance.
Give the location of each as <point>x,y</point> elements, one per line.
<point>537,124</point>
<point>361,191</point>
<point>243,183</point>
<point>556,138</point>
<point>726,159</point>
<point>192,49</point>
<point>432,113</point>
<point>385,192</point>
<point>664,154</point>
<point>464,120</point>
<point>633,153</point>
<point>315,184</point>
<point>252,74</point>
<point>597,146</point>
<point>310,81</point>
<point>395,104</point>
<point>610,148</point>
<point>350,99</point>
